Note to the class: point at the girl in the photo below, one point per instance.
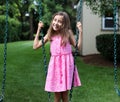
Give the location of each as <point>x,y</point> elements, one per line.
<point>61,65</point>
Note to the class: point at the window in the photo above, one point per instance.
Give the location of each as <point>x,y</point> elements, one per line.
<point>108,21</point>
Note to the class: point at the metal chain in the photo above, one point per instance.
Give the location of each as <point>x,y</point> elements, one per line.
<point>79,14</point>
<point>79,11</point>
<point>43,47</point>
<point>5,54</point>
<point>115,51</point>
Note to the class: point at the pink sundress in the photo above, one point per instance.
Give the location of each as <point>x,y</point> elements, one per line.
<point>61,67</point>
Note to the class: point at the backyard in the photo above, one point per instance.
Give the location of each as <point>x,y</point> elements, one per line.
<point>26,76</point>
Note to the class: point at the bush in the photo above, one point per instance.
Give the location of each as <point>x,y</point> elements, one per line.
<point>2,28</point>
<point>14,29</point>
<point>105,45</point>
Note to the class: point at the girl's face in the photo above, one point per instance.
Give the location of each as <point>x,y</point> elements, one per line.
<point>57,22</point>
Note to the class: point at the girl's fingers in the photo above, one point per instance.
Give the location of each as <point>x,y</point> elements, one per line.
<point>40,24</point>
<point>79,24</point>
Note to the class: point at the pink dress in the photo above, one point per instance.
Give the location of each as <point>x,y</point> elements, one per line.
<point>61,67</point>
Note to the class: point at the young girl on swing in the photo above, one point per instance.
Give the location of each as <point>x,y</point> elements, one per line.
<point>61,66</point>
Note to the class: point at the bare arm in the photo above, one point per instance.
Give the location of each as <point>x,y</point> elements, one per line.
<point>38,43</point>
<point>72,38</point>
<point>79,26</point>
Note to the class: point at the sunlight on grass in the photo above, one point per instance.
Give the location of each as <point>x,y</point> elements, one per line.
<point>26,77</point>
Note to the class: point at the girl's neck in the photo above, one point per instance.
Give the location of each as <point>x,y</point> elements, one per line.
<point>57,33</point>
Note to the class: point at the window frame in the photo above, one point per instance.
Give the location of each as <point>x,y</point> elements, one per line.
<point>109,18</point>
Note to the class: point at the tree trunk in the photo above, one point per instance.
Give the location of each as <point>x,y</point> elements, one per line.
<point>31,27</point>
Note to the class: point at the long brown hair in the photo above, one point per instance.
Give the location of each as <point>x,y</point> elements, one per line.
<point>65,30</point>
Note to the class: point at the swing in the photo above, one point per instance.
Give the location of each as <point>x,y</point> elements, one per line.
<point>115,49</point>
<point>43,47</point>
<point>5,54</point>
<point>44,53</point>
<point>78,17</point>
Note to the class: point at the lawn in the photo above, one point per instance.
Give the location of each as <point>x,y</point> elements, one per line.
<point>26,77</point>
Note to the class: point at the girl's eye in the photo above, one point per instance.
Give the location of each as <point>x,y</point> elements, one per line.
<point>57,20</point>
<point>60,21</point>
<point>54,19</point>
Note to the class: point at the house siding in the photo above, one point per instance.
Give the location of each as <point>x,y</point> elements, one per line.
<point>91,28</point>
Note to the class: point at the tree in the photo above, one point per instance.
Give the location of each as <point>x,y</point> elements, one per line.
<point>102,6</point>
<point>19,8</point>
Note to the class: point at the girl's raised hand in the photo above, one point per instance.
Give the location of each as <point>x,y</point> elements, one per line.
<point>79,26</point>
<point>40,25</point>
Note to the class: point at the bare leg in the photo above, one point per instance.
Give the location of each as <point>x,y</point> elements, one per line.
<point>57,97</point>
<point>65,96</point>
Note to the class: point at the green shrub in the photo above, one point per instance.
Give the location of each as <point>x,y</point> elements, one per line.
<point>14,29</point>
<point>105,45</point>
<point>2,28</point>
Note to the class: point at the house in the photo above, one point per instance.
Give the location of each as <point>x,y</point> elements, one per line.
<point>94,25</point>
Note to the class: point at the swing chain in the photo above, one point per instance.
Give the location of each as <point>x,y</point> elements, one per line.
<point>43,47</point>
<point>79,11</point>
<point>115,51</point>
<point>5,53</point>
<point>78,17</point>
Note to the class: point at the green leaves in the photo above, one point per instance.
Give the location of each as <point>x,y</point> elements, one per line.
<point>101,6</point>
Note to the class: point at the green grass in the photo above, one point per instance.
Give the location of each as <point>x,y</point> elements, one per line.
<point>26,77</point>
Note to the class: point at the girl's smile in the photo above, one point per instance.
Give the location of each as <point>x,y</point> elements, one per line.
<point>57,22</point>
